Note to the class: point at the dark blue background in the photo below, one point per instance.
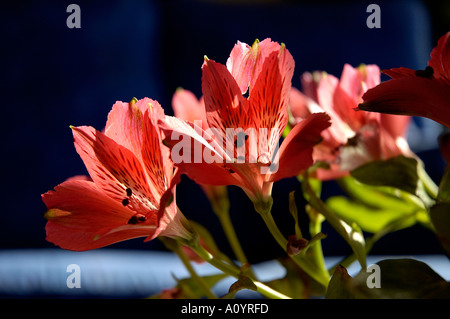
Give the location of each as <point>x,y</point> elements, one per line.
<point>53,77</point>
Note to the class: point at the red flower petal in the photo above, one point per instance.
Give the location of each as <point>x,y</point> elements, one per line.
<point>347,95</point>
<point>186,106</point>
<point>410,96</point>
<point>245,62</point>
<point>295,153</point>
<point>241,64</point>
<point>188,147</point>
<point>398,73</point>
<point>225,106</point>
<point>419,93</point>
<point>269,98</point>
<point>114,168</point>
<point>81,217</point>
<point>155,155</point>
<point>298,104</point>
<point>440,59</point>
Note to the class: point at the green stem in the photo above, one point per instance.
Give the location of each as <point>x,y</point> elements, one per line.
<point>350,233</point>
<point>315,227</point>
<point>230,233</point>
<point>235,272</point>
<point>220,204</point>
<point>274,230</point>
<point>431,188</point>
<point>177,249</point>
<point>264,209</point>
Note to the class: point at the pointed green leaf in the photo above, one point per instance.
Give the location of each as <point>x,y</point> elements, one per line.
<point>370,219</point>
<point>444,187</point>
<point>440,212</point>
<point>401,279</point>
<point>338,287</point>
<point>440,217</point>
<point>399,172</point>
<point>379,196</point>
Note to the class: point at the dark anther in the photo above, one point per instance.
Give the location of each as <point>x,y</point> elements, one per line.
<point>427,73</point>
<point>240,139</point>
<point>353,141</point>
<point>125,202</point>
<point>135,219</point>
<point>229,170</point>
<point>129,192</point>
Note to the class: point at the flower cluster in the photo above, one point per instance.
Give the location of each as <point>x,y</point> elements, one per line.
<point>252,128</point>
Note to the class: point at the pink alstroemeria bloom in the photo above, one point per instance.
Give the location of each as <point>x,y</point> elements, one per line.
<point>355,137</point>
<point>240,145</point>
<point>423,93</point>
<point>130,170</point>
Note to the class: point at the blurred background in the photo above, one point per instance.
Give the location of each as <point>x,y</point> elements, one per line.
<point>53,77</point>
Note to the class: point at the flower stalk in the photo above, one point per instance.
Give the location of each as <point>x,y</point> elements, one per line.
<point>317,273</point>
<point>233,271</point>
<point>176,247</point>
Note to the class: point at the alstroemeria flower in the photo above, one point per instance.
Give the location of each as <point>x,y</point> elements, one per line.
<point>130,171</point>
<point>240,145</point>
<point>187,107</point>
<point>354,137</point>
<point>423,93</point>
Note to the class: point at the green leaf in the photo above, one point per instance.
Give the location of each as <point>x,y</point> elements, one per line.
<point>440,217</point>
<point>294,212</point>
<point>296,283</point>
<point>444,186</point>
<point>401,279</point>
<point>379,196</point>
<point>389,279</point>
<point>370,219</point>
<point>399,172</point>
<point>440,212</point>
<point>338,287</point>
